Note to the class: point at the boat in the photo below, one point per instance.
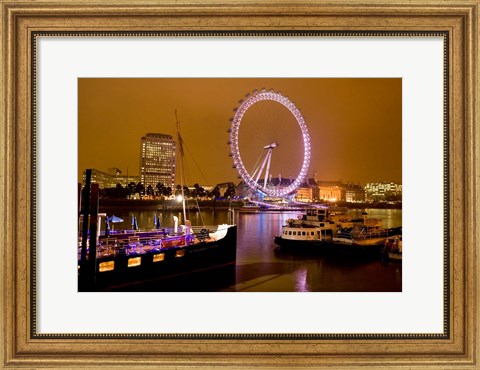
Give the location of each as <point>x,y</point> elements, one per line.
<point>131,258</point>
<point>250,208</point>
<point>392,250</point>
<point>128,259</point>
<point>318,230</point>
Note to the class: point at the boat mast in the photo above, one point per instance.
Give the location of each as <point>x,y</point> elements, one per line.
<point>180,150</point>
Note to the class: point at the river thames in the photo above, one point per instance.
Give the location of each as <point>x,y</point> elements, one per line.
<point>262,267</point>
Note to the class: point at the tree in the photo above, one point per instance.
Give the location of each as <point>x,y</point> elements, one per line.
<point>160,188</point>
<point>178,190</point>
<point>132,187</point>
<point>199,191</point>
<point>215,193</point>
<point>230,192</point>
<point>149,190</point>
<point>196,190</point>
<point>140,189</point>
<point>167,192</point>
<point>119,191</point>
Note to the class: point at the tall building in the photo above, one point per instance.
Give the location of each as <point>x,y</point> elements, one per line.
<point>157,160</point>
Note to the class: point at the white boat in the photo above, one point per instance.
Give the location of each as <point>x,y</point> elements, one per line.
<point>249,208</point>
<point>313,227</point>
<point>317,229</point>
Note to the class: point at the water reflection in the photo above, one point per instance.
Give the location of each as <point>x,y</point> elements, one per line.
<point>262,267</point>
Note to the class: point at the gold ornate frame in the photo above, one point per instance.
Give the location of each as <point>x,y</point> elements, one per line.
<point>22,20</point>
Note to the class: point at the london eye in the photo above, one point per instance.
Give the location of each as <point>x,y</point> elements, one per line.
<point>270,144</point>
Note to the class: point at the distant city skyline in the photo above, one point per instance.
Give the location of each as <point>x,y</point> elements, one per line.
<point>355,124</point>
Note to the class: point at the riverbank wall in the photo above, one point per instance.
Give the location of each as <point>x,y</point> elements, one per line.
<point>173,205</point>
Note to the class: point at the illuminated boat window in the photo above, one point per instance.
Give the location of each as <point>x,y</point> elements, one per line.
<point>158,257</point>
<point>135,261</point>
<point>180,253</point>
<point>106,266</point>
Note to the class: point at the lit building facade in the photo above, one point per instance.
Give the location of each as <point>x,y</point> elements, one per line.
<point>308,191</point>
<point>312,183</point>
<point>382,190</point>
<point>354,193</point>
<point>110,180</point>
<point>331,191</point>
<point>304,194</point>
<point>157,160</point>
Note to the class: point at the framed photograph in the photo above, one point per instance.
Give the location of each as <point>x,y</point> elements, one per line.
<point>330,111</point>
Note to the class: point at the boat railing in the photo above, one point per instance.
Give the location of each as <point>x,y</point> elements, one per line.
<point>209,228</point>
<point>365,234</point>
<point>131,238</point>
<point>139,243</point>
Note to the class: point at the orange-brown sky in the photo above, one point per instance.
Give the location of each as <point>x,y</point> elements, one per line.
<point>355,125</point>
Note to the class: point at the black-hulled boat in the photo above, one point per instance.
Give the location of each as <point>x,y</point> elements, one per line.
<point>130,259</point>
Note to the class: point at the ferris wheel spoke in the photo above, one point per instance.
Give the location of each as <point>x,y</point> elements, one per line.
<point>256,166</point>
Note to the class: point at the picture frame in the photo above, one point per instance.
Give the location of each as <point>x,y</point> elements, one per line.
<point>458,347</point>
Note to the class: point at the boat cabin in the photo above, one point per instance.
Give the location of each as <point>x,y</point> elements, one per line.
<point>316,214</point>
<point>307,233</point>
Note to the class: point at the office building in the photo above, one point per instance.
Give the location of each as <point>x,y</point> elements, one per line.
<point>110,179</point>
<point>378,191</point>
<point>157,160</point>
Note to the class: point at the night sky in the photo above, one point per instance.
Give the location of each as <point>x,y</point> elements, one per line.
<point>355,125</point>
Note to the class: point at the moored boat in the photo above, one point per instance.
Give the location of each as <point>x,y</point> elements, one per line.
<point>392,250</point>
<point>134,258</point>
<point>249,208</point>
<point>321,231</point>
<point>128,259</point>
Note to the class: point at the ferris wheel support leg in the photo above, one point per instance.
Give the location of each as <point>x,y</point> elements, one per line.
<point>262,167</point>
<point>269,155</point>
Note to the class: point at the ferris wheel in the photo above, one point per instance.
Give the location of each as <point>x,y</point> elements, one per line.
<point>268,135</point>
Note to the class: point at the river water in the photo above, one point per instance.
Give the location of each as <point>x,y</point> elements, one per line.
<point>262,267</point>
